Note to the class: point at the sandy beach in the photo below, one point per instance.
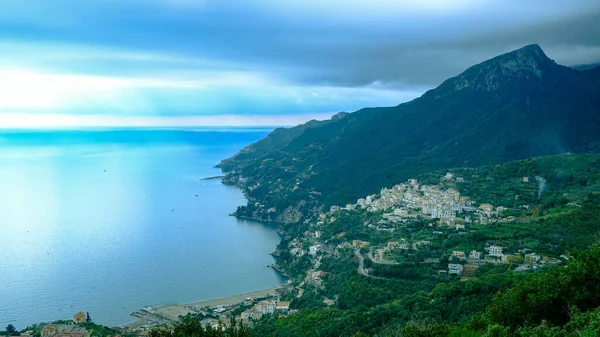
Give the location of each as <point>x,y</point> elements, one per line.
<point>171,313</point>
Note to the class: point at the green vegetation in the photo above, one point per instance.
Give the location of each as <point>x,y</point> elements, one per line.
<point>411,298</point>
<point>492,114</point>
<point>191,326</point>
<point>502,185</point>
<point>374,306</point>
<point>564,301</point>
<point>95,330</point>
<point>561,302</point>
<point>99,330</point>
<point>468,121</point>
<point>11,330</point>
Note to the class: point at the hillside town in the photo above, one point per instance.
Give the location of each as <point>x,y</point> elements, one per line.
<point>410,200</point>
<point>447,213</point>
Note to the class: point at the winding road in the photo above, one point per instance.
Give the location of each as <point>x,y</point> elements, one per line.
<point>361,266</point>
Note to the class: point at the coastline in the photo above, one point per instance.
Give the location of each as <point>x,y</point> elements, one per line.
<point>170,313</point>
<point>212,178</point>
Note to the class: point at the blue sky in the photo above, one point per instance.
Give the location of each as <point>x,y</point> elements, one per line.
<point>261,62</point>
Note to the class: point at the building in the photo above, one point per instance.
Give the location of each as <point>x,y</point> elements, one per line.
<point>64,330</point>
<point>459,254</point>
<point>213,323</point>
<point>314,249</point>
<point>251,314</point>
<point>297,251</point>
<point>401,212</point>
<point>447,214</point>
<point>360,244</point>
<point>489,208</point>
<point>393,244</point>
<point>317,275</point>
<point>495,251</point>
<point>265,307</point>
<point>283,305</point>
<point>455,268</point>
<point>474,255</point>
<point>532,258</point>
<point>79,317</point>
<point>328,302</point>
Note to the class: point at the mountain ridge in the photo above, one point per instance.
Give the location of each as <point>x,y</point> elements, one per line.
<point>517,105</point>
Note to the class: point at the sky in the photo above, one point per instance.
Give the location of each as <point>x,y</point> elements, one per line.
<point>73,63</point>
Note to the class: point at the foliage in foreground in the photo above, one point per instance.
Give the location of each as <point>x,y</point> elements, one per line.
<point>565,301</point>
<point>191,326</point>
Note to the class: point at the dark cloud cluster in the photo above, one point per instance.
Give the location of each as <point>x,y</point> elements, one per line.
<point>393,45</point>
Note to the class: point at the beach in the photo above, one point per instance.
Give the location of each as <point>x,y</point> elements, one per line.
<point>170,313</point>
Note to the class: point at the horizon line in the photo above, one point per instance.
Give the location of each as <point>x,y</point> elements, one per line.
<point>39,121</point>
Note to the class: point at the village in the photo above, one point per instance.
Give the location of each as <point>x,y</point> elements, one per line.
<point>215,316</point>
<point>410,200</point>
<point>447,213</point>
<point>215,313</point>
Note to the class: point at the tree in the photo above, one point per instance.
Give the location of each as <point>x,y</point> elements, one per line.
<point>550,296</point>
<point>191,326</point>
<point>11,330</point>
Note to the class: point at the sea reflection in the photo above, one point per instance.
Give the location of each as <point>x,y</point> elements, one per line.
<point>110,227</point>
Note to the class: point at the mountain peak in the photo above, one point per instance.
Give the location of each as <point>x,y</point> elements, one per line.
<point>529,56</point>
<point>531,48</point>
<point>528,63</point>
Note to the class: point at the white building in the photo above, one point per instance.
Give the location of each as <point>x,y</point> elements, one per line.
<point>455,268</point>
<point>532,258</point>
<point>283,305</point>
<point>297,251</point>
<point>266,307</point>
<point>474,255</point>
<point>314,249</point>
<point>401,212</point>
<point>495,251</point>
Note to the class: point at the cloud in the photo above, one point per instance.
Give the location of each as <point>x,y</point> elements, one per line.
<point>201,93</point>
<point>185,57</point>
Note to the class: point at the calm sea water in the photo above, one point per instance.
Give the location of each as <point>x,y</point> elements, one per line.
<point>111,221</point>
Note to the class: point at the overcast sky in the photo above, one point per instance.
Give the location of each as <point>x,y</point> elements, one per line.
<point>250,62</point>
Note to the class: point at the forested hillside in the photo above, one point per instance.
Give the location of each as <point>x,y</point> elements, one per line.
<point>514,106</point>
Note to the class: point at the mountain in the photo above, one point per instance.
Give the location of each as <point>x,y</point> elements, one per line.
<point>514,106</point>
<point>586,66</point>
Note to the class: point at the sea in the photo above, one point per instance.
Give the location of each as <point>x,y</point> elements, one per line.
<point>108,221</point>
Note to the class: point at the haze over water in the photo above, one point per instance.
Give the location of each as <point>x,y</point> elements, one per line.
<point>111,221</point>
